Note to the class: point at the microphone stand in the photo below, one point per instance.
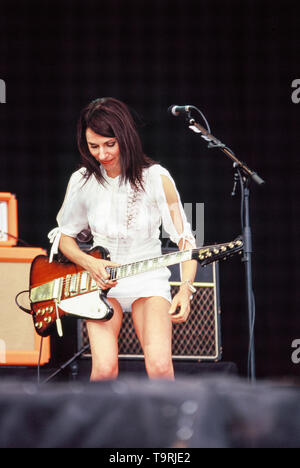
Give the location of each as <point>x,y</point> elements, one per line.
<point>245,175</point>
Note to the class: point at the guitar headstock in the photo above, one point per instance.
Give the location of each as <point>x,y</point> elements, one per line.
<point>213,253</point>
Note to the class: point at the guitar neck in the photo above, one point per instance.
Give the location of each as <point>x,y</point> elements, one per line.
<point>143,266</point>
<point>81,282</point>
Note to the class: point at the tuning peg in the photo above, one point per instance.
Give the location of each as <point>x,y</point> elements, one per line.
<point>216,251</point>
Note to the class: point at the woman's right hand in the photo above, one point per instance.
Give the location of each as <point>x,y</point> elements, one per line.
<point>97,269</point>
<point>95,266</point>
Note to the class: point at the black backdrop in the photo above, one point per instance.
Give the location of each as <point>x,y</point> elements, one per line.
<point>235,60</point>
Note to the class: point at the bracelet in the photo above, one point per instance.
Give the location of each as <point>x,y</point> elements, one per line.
<point>190,286</point>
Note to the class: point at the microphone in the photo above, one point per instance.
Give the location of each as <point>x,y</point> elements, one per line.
<point>177,110</point>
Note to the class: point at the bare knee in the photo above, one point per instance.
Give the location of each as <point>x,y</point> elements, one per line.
<point>104,371</point>
<point>159,367</point>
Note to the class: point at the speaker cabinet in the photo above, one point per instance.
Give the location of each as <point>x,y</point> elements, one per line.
<point>8,219</point>
<point>199,338</point>
<point>19,343</point>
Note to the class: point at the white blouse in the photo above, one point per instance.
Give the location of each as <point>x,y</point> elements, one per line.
<point>125,221</point>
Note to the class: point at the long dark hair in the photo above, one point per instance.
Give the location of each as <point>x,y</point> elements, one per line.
<point>110,117</point>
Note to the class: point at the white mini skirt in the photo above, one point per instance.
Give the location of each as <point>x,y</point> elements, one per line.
<point>151,283</point>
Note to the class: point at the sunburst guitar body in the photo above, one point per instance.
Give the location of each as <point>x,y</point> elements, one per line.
<point>62,288</point>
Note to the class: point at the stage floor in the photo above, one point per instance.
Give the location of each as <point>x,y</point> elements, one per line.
<point>80,369</point>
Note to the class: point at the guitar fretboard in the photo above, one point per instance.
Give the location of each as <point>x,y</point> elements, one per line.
<point>142,266</point>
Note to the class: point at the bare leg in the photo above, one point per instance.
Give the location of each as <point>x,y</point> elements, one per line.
<point>103,338</point>
<point>154,330</point>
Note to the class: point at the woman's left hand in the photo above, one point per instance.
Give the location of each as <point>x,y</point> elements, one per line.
<point>180,307</point>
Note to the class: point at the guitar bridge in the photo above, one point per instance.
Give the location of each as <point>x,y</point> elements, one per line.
<point>48,291</point>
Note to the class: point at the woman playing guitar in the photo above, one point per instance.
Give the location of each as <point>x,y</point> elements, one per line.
<point>123,196</point>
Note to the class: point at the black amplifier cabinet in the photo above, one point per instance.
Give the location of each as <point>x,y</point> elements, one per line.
<point>199,338</point>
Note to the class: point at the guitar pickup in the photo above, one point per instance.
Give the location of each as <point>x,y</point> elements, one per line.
<point>93,285</point>
<point>84,280</point>
<point>67,286</point>
<point>74,284</point>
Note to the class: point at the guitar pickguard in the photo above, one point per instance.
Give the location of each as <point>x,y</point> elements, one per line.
<point>91,306</point>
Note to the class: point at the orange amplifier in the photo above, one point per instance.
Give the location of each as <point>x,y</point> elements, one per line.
<point>19,342</point>
<point>8,219</point>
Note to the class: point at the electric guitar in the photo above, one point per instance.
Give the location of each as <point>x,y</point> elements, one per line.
<point>58,289</point>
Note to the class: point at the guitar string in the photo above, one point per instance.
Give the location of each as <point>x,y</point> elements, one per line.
<point>133,264</point>
<point>123,268</point>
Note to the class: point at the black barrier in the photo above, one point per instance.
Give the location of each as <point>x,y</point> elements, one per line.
<point>186,414</point>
